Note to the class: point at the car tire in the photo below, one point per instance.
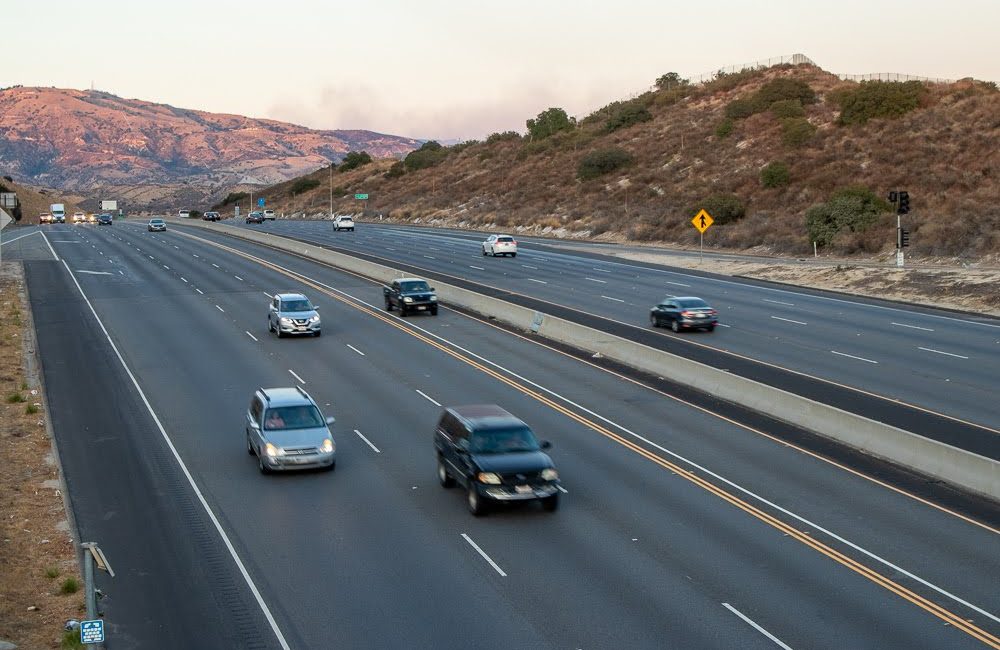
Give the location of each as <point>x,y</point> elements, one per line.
<point>675,325</point>
<point>402,311</point>
<point>444,478</point>
<point>434,311</point>
<point>654,321</point>
<point>277,330</point>
<point>264,469</point>
<point>551,504</point>
<point>475,503</point>
<point>318,334</point>
<point>710,328</point>
<point>250,447</point>
<point>332,466</point>
<point>388,305</point>
<point>484,251</point>
<point>513,254</point>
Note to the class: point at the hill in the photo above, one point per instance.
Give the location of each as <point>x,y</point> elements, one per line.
<point>156,155</point>
<point>35,200</point>
<point>781,157</point>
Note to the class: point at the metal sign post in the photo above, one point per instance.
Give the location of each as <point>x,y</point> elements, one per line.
<point>702,221</point>
<point>4,220</point>
<point>92,630</point>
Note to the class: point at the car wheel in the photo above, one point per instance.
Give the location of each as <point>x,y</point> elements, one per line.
<point>318,333</point>
<point>332,466</point>
<point>402,310</point>
<point>675,325</point>
<point>513,254</point>
<point>475,502</point>
<point>388,305</point>
<point>250,447</point>
<point>277,330</point>
<point>654,321</point>
<point>434,311</point>
<point>710,328</point>
<point>443,477</point>
<point>264,469</point>
<point>484,251</point>
<point>551,504</point>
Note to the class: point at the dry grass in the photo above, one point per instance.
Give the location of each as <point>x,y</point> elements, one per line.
<point>945,154</point>
<point>36,545</point>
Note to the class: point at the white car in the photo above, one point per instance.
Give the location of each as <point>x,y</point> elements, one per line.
<point>343,223</point>
<point>268,215</point>
<point>500,245</point>
<point>79,217</point>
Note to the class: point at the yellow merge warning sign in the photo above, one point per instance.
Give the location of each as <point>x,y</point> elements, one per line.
<point>702,221</point>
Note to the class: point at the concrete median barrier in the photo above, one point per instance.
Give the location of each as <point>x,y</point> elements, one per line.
<point>941,461</point>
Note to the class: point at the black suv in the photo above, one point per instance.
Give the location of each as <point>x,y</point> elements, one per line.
<point>410,294</point>
<point>495,457</point>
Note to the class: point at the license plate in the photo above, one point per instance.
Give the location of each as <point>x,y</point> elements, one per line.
<point>522,489</point>
<point>419,307</point>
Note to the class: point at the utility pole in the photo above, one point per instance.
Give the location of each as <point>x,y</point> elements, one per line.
<point>331,189</point>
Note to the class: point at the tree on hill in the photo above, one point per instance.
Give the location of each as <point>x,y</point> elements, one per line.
<point>353,160</point>
<point>429,154</point>
<point>549,123</point>
<point>853,208</point>
<point>670,81</point>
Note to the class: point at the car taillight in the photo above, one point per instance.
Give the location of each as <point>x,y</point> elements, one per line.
<point>712,312</point>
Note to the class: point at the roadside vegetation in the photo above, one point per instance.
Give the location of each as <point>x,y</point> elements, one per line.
<point>778,156</point>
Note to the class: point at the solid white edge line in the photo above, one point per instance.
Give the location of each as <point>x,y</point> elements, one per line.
<point>912,327</point>
<point>368,441</point>
<point>428,398</point>
<point>301,380</point>
<point>10,241</point>
<point>679,284</point>
<point>851,356</point>
<point>755,626</point>
<point>485,556</point>
<point>194,486</point>
<point>948,354</point>
<point>355,349</point>
<point>736,486</point>
<point>251,335</point>
<point>50,246</point>
<point>789,320</point>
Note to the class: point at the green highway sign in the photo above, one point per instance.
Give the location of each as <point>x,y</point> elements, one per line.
<point>361,197</point>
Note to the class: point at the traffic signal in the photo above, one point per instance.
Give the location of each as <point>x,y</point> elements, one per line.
<point>893,196</point>
<point>902,238</point>
<point>904,203</point>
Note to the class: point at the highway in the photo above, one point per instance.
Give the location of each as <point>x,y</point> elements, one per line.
<point>683,524</point>
<point>943,362</point>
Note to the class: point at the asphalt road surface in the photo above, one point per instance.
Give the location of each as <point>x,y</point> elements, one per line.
<point>681,526</point>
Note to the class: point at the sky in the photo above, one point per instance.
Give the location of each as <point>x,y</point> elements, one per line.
<point>457,70</point>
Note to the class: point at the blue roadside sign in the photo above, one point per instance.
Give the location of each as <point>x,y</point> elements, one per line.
<point>92,631</point>
<point>260,202</point>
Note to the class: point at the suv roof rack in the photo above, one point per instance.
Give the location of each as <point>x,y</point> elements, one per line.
<point>303,392</point>
<point>264,393</point>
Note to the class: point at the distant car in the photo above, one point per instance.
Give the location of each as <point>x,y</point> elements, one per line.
<point>183,214</point>
<point>156,225</point>
<point>79,217</point>
<point>91,218</point>
<point>292,313</point>
<point>684,312</point>
<point>495,457</point>
<point>211,216</point>
<point>105,220</point>
<point>45,217</point>
<point>59,217</point>
<point>269,215</point>
<point>500,245</point>
<point>343,223</point>
<point>255,217</point>
<point>285,430</point>
<point>410,294</point>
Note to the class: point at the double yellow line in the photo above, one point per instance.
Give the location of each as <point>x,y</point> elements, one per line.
<point>835,555</point>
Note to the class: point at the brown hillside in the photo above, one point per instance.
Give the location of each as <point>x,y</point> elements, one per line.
<point>34,200</point>
<point>945,153</point>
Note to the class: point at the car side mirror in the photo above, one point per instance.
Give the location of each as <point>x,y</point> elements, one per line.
<point>330,419</point>
<point>315,308</point>
<point>545,444</point>
<point>433,289</point>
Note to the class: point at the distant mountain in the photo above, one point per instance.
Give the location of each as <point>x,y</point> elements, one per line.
<point>154,155</point>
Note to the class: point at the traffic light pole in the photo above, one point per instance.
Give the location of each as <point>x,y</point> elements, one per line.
<point>899,242</point>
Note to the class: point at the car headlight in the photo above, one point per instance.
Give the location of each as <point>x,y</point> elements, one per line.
<point>273,451</point>
<point>489,478</point>
<point>314,319</point>
<point>407,299</point>
<point>549,474</point>
<point>433,298</point>
<point>285,321</point>
<point>328,446</point>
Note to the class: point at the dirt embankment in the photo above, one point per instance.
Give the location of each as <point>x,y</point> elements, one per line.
<point>40,583</point>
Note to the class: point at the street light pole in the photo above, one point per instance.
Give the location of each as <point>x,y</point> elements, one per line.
<point>331,189</point>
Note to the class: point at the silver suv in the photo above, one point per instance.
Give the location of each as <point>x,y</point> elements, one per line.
<point>292,313</point>
<point>286,430</point>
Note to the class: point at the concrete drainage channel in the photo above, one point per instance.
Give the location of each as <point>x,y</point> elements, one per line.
<point>941,461</point>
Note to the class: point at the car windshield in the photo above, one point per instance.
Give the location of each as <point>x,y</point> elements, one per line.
<point>295,305</point>
<point>414,286</point>
<point>692,303</point>
<point>305,416</point>
<point>156,221</point>
<point>502,441</point>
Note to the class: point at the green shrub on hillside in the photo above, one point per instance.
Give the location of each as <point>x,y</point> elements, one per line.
<point>788,108</point>
<point>304,185</point>
<point>354,160</point>
<point>235,197</point>
<point>785,88</point>
<point>740,108</point>
<point>603,161</point>
<point>725,81</point>
<point>879,99</point>
<point>854,208</point>
<point>775,174</point>
<point>670,81</point>
<point>506,136</point>
<point>550,122</point>
<point>429,154</point>
<point>724,208</point>
<point>397,170</point>
<point>725,128</point>
<point>796,131</point>
<point>628,115</point>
